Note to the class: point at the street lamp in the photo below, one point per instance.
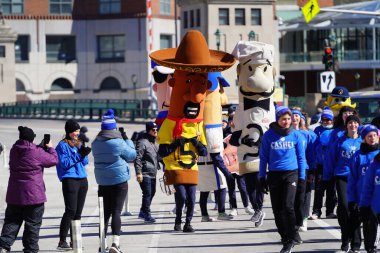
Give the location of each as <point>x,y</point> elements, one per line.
<point>134,82</point>
<point>251,35</point>
<point>357,77</point>
<point>217,35</point>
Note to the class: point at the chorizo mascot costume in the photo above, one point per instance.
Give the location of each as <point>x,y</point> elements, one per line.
<point>161,76</point>
<point>181,136</point>
<point>256,111</point>
<point>212,170</point>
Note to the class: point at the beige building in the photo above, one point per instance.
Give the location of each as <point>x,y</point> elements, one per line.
<point>225,22</point>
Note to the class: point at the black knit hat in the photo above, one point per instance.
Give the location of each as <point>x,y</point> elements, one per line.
<point>353,118</point>
<point>149,126</point>
<point>71,126</point>
<point>26,134</point>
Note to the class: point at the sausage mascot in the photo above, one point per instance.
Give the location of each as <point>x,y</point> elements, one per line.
<point>256,111</point>
<point>181,136</point>
<point>212,170</point>
<point>161,76</point>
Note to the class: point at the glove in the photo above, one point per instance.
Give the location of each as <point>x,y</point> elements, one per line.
<point>247,141</point>
<point>84,151</point>
<point>264,188</point>
<point>180,142</point>
<point>123,133</point>
<point>139,178</point>
<point>364,213</point>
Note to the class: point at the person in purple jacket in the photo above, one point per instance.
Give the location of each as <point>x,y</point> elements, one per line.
<point>26,191</point>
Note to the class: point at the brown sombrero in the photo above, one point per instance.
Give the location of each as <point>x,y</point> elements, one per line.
<point>193,55</point>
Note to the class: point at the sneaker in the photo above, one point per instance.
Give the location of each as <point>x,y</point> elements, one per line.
<point>249,210</point>
<point>331,216</point>
<point>314,216</point>
<point>106,249</point>
<point>287,248</point>
<point>115,249</point>
<point>188,228</point>
<point>149,219</point>
<point>297,239</point>
<point>256,216</point>
<point>303,228</point>
<point>233,212</point>
<point>63,246</point>
<point>177,227</point>
<point>207,219</point>
<point>224,216</point>
<point>141,215</point>
<point>260,222</point>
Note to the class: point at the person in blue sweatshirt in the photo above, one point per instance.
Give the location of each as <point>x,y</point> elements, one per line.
<point>303,196</point>
<point>370,195</point>
<point>338,168</point>
<point>283,155</point>
<point>72,159</point>
<point>361,160</point>
<point>112,151</point>
<point>320,146</point>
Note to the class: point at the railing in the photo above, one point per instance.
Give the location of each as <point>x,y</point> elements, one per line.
<point>130,110</point>
<point>316,56</point>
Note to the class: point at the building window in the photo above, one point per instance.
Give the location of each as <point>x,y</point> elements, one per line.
<point>22,48</point>
<point>60,7</point>
<point>165,41</point>
<point>224,16</point>
<point>165,7</point>
<point>61,84</point>
<point>109,6</point>
<point>239,16</point>
<point>20,85</point>
<point>198,17</point>
<point>255,16</point>
<point>191,18</point>
<point>185,20</point>
<point>60,48</point>
<point>110,83</point>
<point>12,6</point>
<point>111,48</point>
<point>2,51</point>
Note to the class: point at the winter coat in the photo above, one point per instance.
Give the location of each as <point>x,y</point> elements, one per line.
<point>70,163</point>
<point>146,162</point>
<point>26,166</point>
<point>111,156</point>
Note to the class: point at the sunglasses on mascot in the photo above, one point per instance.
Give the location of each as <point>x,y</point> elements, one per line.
<point>159,77</point>
<point>339,99</point>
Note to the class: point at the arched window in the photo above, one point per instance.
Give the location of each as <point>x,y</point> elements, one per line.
<point>61,84</point>
<point>19,85</point>
<point>110,83</point>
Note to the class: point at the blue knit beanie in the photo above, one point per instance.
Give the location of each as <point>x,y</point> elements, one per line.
<point>327,114</point>
<point>366,129</point>
<point>281,110</point>
<point>108,120</point>
<point>299,113</point>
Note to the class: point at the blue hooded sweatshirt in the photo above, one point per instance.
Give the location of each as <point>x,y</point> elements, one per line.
<point>338,159</point>
<point>371,188</point>
<point>282,152</point>
<point>70,163</point>
<point>320,144</point>
<point>359,165</point>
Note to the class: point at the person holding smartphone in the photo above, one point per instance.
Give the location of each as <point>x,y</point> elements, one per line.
<point>71,171</point>
<point>26,190</point>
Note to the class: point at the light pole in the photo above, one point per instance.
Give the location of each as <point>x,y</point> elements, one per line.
<point>217,35</point>
<point>134,82</point>
<point>251,36</point>
<point>357,78</point>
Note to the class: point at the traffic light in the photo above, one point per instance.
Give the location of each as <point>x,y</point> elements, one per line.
<point>328,59</point>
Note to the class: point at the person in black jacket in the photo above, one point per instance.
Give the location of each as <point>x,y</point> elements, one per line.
<point>146,166</point>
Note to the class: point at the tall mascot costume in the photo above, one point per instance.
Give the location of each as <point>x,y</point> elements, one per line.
<point>181,136</point>
<point>161,76</point>
<point>256,111</point>
<point>338,98</point>
<point>212,170</point>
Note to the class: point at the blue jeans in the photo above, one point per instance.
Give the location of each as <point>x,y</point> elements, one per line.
<point>242,188</point>
<point>184,192</point>
<point>148,188</point>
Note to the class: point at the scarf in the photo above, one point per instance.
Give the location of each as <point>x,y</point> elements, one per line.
<point>366,148</point>
<point>177,131</point>
<point>281,131</point>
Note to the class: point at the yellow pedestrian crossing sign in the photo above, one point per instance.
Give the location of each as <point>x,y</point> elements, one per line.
<point>310,10</point>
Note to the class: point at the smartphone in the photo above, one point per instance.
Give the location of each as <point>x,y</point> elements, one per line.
<point>46,139</point>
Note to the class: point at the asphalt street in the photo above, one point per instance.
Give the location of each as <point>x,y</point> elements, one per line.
<point>237,235</point>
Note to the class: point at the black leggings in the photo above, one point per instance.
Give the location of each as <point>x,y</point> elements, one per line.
<point>74,194</point>
<point>113,201</point>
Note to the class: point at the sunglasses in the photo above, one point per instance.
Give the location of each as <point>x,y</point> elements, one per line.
<point>154,129</point>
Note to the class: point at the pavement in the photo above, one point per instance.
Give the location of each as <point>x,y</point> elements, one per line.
<point>237,235</point>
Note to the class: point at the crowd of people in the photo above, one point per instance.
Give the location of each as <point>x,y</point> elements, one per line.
<point>340,160</point>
